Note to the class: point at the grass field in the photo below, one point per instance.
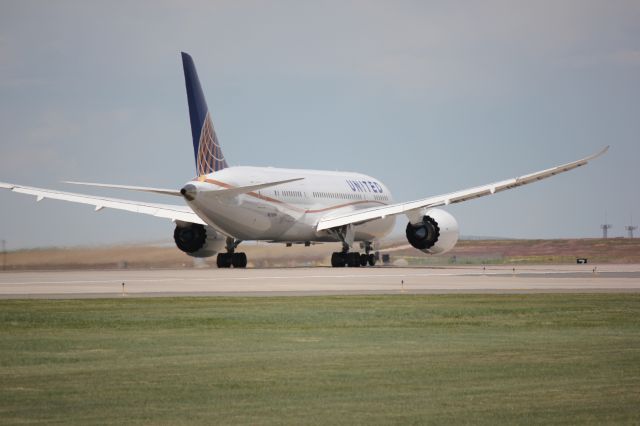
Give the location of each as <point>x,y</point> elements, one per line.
<point>477,359</point>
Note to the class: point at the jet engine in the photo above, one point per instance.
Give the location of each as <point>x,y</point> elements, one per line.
<point>198,240</point>
<point>434,231</point>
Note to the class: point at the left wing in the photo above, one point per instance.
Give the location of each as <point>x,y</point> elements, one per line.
<point>168,211</point>
<point>360,216</point>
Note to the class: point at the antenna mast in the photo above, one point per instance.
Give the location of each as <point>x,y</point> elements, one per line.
<point>630,228</point>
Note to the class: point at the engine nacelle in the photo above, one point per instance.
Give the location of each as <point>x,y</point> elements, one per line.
<point>197,240</point>
<point>435,232</point>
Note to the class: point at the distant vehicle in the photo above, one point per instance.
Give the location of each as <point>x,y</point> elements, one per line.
<point>227,205</point>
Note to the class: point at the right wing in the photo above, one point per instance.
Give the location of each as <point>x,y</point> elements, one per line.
<point>168,211</point>
<point>364,215</point>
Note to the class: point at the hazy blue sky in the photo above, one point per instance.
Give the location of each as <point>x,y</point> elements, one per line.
<point>427,96</point>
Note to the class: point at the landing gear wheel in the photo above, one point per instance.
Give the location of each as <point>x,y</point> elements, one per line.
<point>223,260</point>
<point>371,259</point>
<point>338,259</point>
<point>239,260</point>
<point>226,260</point>
<point>353,260</point>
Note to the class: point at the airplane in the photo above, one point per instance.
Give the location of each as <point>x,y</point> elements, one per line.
<point>226,205</point>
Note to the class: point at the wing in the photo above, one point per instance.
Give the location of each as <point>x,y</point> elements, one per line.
<point>360,216</point>
<point>168,211</point>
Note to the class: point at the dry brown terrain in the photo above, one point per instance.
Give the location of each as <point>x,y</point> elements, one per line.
<point>150,256</point>
<point>613,250</point>
<point>596,250</point>
<point>622,250</point>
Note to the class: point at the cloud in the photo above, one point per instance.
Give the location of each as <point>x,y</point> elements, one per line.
<point>50,143</point>
<point>93,89</point>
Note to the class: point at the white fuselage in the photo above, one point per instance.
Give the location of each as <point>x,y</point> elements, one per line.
<point>289,212</point>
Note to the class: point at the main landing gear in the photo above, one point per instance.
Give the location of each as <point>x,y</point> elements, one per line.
<point>231,258</point>
<point>353,259</point>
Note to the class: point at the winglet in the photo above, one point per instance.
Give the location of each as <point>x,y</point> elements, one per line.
<point>598,154</point>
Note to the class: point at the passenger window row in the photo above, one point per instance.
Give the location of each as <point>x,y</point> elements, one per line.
<point>337,195</point>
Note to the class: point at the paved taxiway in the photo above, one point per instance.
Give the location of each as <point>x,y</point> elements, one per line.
<point>319,281</point>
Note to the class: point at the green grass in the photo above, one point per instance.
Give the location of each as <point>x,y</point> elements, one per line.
<point>476,359</point>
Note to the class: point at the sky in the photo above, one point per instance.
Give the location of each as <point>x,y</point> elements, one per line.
<point>427,96</point>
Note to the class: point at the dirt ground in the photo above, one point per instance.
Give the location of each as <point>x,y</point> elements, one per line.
<point>613,250</point>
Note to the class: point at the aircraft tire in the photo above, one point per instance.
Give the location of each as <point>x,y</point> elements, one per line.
<point>353,260</point>
<point>338,260</point>
<point>239,260</point>
<point>223,260</point>
<point>371,259</point>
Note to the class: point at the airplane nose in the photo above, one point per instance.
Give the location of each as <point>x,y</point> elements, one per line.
<point>189,192</point>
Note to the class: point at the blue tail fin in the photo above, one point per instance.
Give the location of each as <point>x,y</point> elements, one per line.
<point>206,148</point>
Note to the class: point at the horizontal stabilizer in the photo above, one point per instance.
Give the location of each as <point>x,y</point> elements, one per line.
<point>129,188</point>
<point>232,192</point>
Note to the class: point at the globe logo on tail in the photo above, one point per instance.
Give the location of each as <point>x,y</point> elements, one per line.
<point>210,156</point>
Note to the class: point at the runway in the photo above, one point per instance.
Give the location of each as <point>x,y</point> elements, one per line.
<point>319,281</point>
